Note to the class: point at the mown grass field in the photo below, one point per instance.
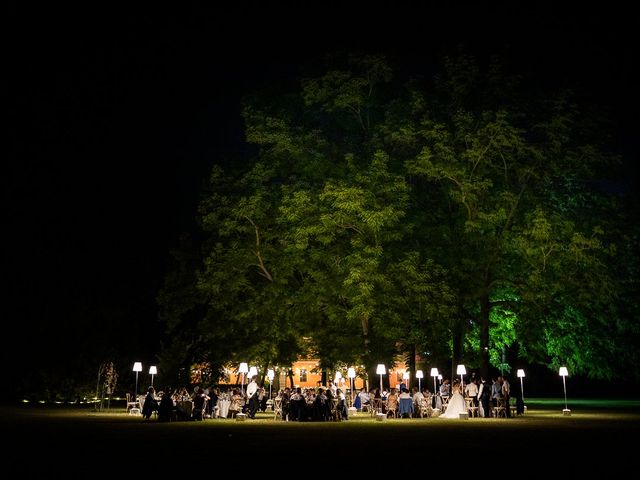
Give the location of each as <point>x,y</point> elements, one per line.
<point>598,435</point>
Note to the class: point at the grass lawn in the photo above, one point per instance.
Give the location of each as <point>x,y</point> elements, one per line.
<point>597,432</point>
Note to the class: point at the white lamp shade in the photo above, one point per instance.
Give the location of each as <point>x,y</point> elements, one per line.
<point>337,377</point>
<point>419,374</point>
<point>563,372</point>
<point>153,370</point>
<point>405,376</point>
<point>351,372</point>
<point>253,371</point>
<point>137,367</point>
<point>244,368</point>
<point>271,374</point>
<point>434,372</point>
<point>520,373</point>
<point>381,370</point>
<point>439,376</point>
<point>461,370</point>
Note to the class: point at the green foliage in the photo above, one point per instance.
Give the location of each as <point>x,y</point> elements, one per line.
<point>378,218</point>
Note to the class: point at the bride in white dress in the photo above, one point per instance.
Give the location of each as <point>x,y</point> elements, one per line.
<point>456,404</point>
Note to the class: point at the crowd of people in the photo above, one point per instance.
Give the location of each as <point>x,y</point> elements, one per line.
<point>488,398</point>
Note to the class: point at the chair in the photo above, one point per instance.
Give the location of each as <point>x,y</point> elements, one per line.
<point>425,407</point>
<point>406,407</point>
<point>376,406</point>
<point>499,409</point>
<point>392,408</point>
<point>445,403</point>
<point>131,404</point>
<point>471,407</point>
<point>277,408</point>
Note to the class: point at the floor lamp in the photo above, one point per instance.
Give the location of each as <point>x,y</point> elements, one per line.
<point>419,376</point>
<point>244,368</point>
<point>564,373</point>
<point>137,367</point>
<point>152,371</point>
<point>351,373</point>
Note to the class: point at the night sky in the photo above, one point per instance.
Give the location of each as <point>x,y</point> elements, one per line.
<point>115,117</point>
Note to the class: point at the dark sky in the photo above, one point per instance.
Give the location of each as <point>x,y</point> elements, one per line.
<point>117,115</point>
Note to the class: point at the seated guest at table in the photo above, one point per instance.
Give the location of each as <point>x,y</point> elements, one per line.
<point>263,396</point>
<point>392,402</point>
<point>320,406</point>
<point>236,403</point>
<point>184,394</point>
<point>199,404</point>
<point>213,401</point>
<point>166,408</point>
<point>150,404</point>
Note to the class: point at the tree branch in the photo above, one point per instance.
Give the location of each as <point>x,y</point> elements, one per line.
<point>263,270</point>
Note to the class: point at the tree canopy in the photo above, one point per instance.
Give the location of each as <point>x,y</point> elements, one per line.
<point>456,217</point>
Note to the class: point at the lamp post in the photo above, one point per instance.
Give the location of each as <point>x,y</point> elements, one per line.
<point>521,376</point>
<point>270,375</point>
<point>419,376</point>
<point>434,374</point>
<point>152,370</point>
<point>405,377</point>
<point>137,367</point>
<point>244,368</point>
<point>351,373</point>
<point>336,379</point>
<point>461,371</point>
<point>381,370</point>
<point>564,373</point>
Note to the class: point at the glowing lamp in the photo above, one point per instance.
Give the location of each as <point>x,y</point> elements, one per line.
<point>419,376</point>
<point>253,371</point>
<point>405,378</point>
<point>244,368</point>
<point>351,373</point>
<point>270,375</point>
<point>461,371</point>
<point>137,367</point>
<point>564,373</point>
<point>520,375</point>
<point>152,371</point>
<point>381,370</point>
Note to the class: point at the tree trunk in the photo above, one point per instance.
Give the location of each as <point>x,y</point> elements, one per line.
<point>485,309</point>
<point>458,340</point>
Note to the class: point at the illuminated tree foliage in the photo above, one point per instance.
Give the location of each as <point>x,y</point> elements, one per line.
<point>448,217</point>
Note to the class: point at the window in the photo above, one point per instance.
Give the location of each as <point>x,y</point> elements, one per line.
<point>303,374</point>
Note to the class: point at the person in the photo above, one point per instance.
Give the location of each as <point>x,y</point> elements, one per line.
<point>484,394</point>
<point>166,409</point>
<point>456,404</point>
<point>199,404</point>
<point>150,404</point>
<point>254,403</point>
<point>506,394</point>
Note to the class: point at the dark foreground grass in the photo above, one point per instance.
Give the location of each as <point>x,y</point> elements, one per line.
<point>597,437</point>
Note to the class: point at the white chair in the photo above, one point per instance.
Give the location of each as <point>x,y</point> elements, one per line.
<point>133,406</point>
<point>277,409</point>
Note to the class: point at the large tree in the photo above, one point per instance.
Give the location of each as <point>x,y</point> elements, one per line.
<point>455,217</point>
